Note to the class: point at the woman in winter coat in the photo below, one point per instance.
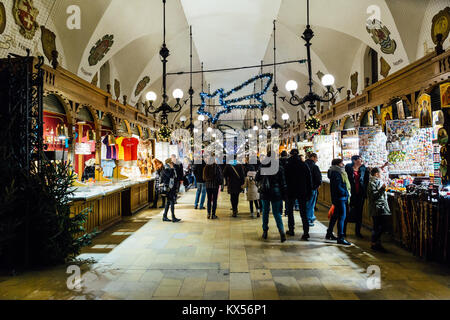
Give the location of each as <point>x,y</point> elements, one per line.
<point>235,176</point>
<point>158,166</point>
<point>252,192</point>
<point>378,207</point>
<point>213,178</point>
<point>169,182</point>
<point>340,193</point>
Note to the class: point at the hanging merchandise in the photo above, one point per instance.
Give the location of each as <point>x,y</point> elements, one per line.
<point>350,145</point>
<point>108,151</point>
<point>372,146</point>
<point>323,147</point>
<point>111,140</point>
<point>108,168</point>
<point>410,149</point>
<point>90,135</point>
<point>130,146</point>
<point>119,148</point>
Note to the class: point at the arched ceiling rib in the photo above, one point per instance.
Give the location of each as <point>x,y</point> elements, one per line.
<point>233,33</point>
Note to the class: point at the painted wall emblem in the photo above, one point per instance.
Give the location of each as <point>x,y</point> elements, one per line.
<point>25,15</point>
<point>354,82</point>
<point>48,40</point>
<point>100,49</point>
<point>141,85</point>
<point>117,88</point>
<point>441,24</point>
<point>2,18</point>
<point>381,35</point>
<point>385,67</point>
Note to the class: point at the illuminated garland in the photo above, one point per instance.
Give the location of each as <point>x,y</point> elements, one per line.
<point>164,133</point>
<point>312,124</point>
<point>226,103</point>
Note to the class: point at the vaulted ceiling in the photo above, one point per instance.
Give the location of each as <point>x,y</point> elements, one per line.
<point>232,33</point>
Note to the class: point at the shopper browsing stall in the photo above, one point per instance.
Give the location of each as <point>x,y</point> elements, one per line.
<point>378,207</point>
<point>359,178</point>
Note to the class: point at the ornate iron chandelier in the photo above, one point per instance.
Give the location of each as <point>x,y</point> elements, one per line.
<point>327,80</point>
<point>164,109</point>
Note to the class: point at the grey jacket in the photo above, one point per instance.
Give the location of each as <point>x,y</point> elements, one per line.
<point>377,197</point>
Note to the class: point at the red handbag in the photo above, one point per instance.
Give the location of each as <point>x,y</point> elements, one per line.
<point>331,212</point>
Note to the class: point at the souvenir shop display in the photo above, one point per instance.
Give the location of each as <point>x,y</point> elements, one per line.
<point>145,156</point>
<point>323,147</point>
<point>337,148</point>
<point>350,145</point>
<point>410,148</point>
<point>372,146</point>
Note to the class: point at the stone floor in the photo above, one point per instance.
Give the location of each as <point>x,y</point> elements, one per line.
<point>145,258</point>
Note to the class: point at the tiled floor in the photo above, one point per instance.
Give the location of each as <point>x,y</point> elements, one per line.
<point>145,258</point>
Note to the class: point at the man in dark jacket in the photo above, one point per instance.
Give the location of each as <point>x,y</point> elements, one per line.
<point>201,188</point>
<point>178,166</point>
<point>272,191</point>
<point>235,176</point>
<point>316,176</point>
<point>299,183</point>
<point>358,176</point>
<point>283,161</point>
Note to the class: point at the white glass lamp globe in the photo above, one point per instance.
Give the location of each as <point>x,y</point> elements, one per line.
<point>265,117</point>
<point>255,128</point>
<point>327,80</point>
<point>201,118</point>
<point>291,85</point>
<point>250,135</point>
<point>151,96</point>
<point>285,116</point>
<point>183,118</point>
<point>209,129</point>
<point>177,93</point>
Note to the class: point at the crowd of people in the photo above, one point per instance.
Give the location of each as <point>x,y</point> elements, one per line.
<point>294,186</point>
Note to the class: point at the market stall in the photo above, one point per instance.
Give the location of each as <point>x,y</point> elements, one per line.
<point>56,129</point>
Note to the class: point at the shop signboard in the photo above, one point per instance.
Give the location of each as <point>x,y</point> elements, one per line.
<point>83,148</point>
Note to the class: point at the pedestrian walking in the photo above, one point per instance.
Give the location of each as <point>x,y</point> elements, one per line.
<point>213,178</point>
<point>252,192</point>
<point>340,193</point>
<point>299,187</point>
<point>272,189</point>
<point>168,179</point>
<point>316,177</point>
<point>235,176</point>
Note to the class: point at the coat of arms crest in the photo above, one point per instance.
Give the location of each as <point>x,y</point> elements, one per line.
<point>141,85</point>
<point>100,49</point>
<point>354,82</point>
<point>117,88</point>
<point>25,15</point>
<point>381,35</point>
<point>48,39</point>
<point>2,18</point>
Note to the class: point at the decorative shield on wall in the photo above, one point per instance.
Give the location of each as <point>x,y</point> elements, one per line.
<point>117,88</point>
<point>48,40</point>
<point>25,15</point>
<point>354,82</point>
<point>441,24</point>
<point>2,18</point>
<point>100,49</point>
<point>385,67</point>
<point>141,85</point>
<point>381,35</point>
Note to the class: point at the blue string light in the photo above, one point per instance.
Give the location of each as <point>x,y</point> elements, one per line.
<point>227,103</point>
